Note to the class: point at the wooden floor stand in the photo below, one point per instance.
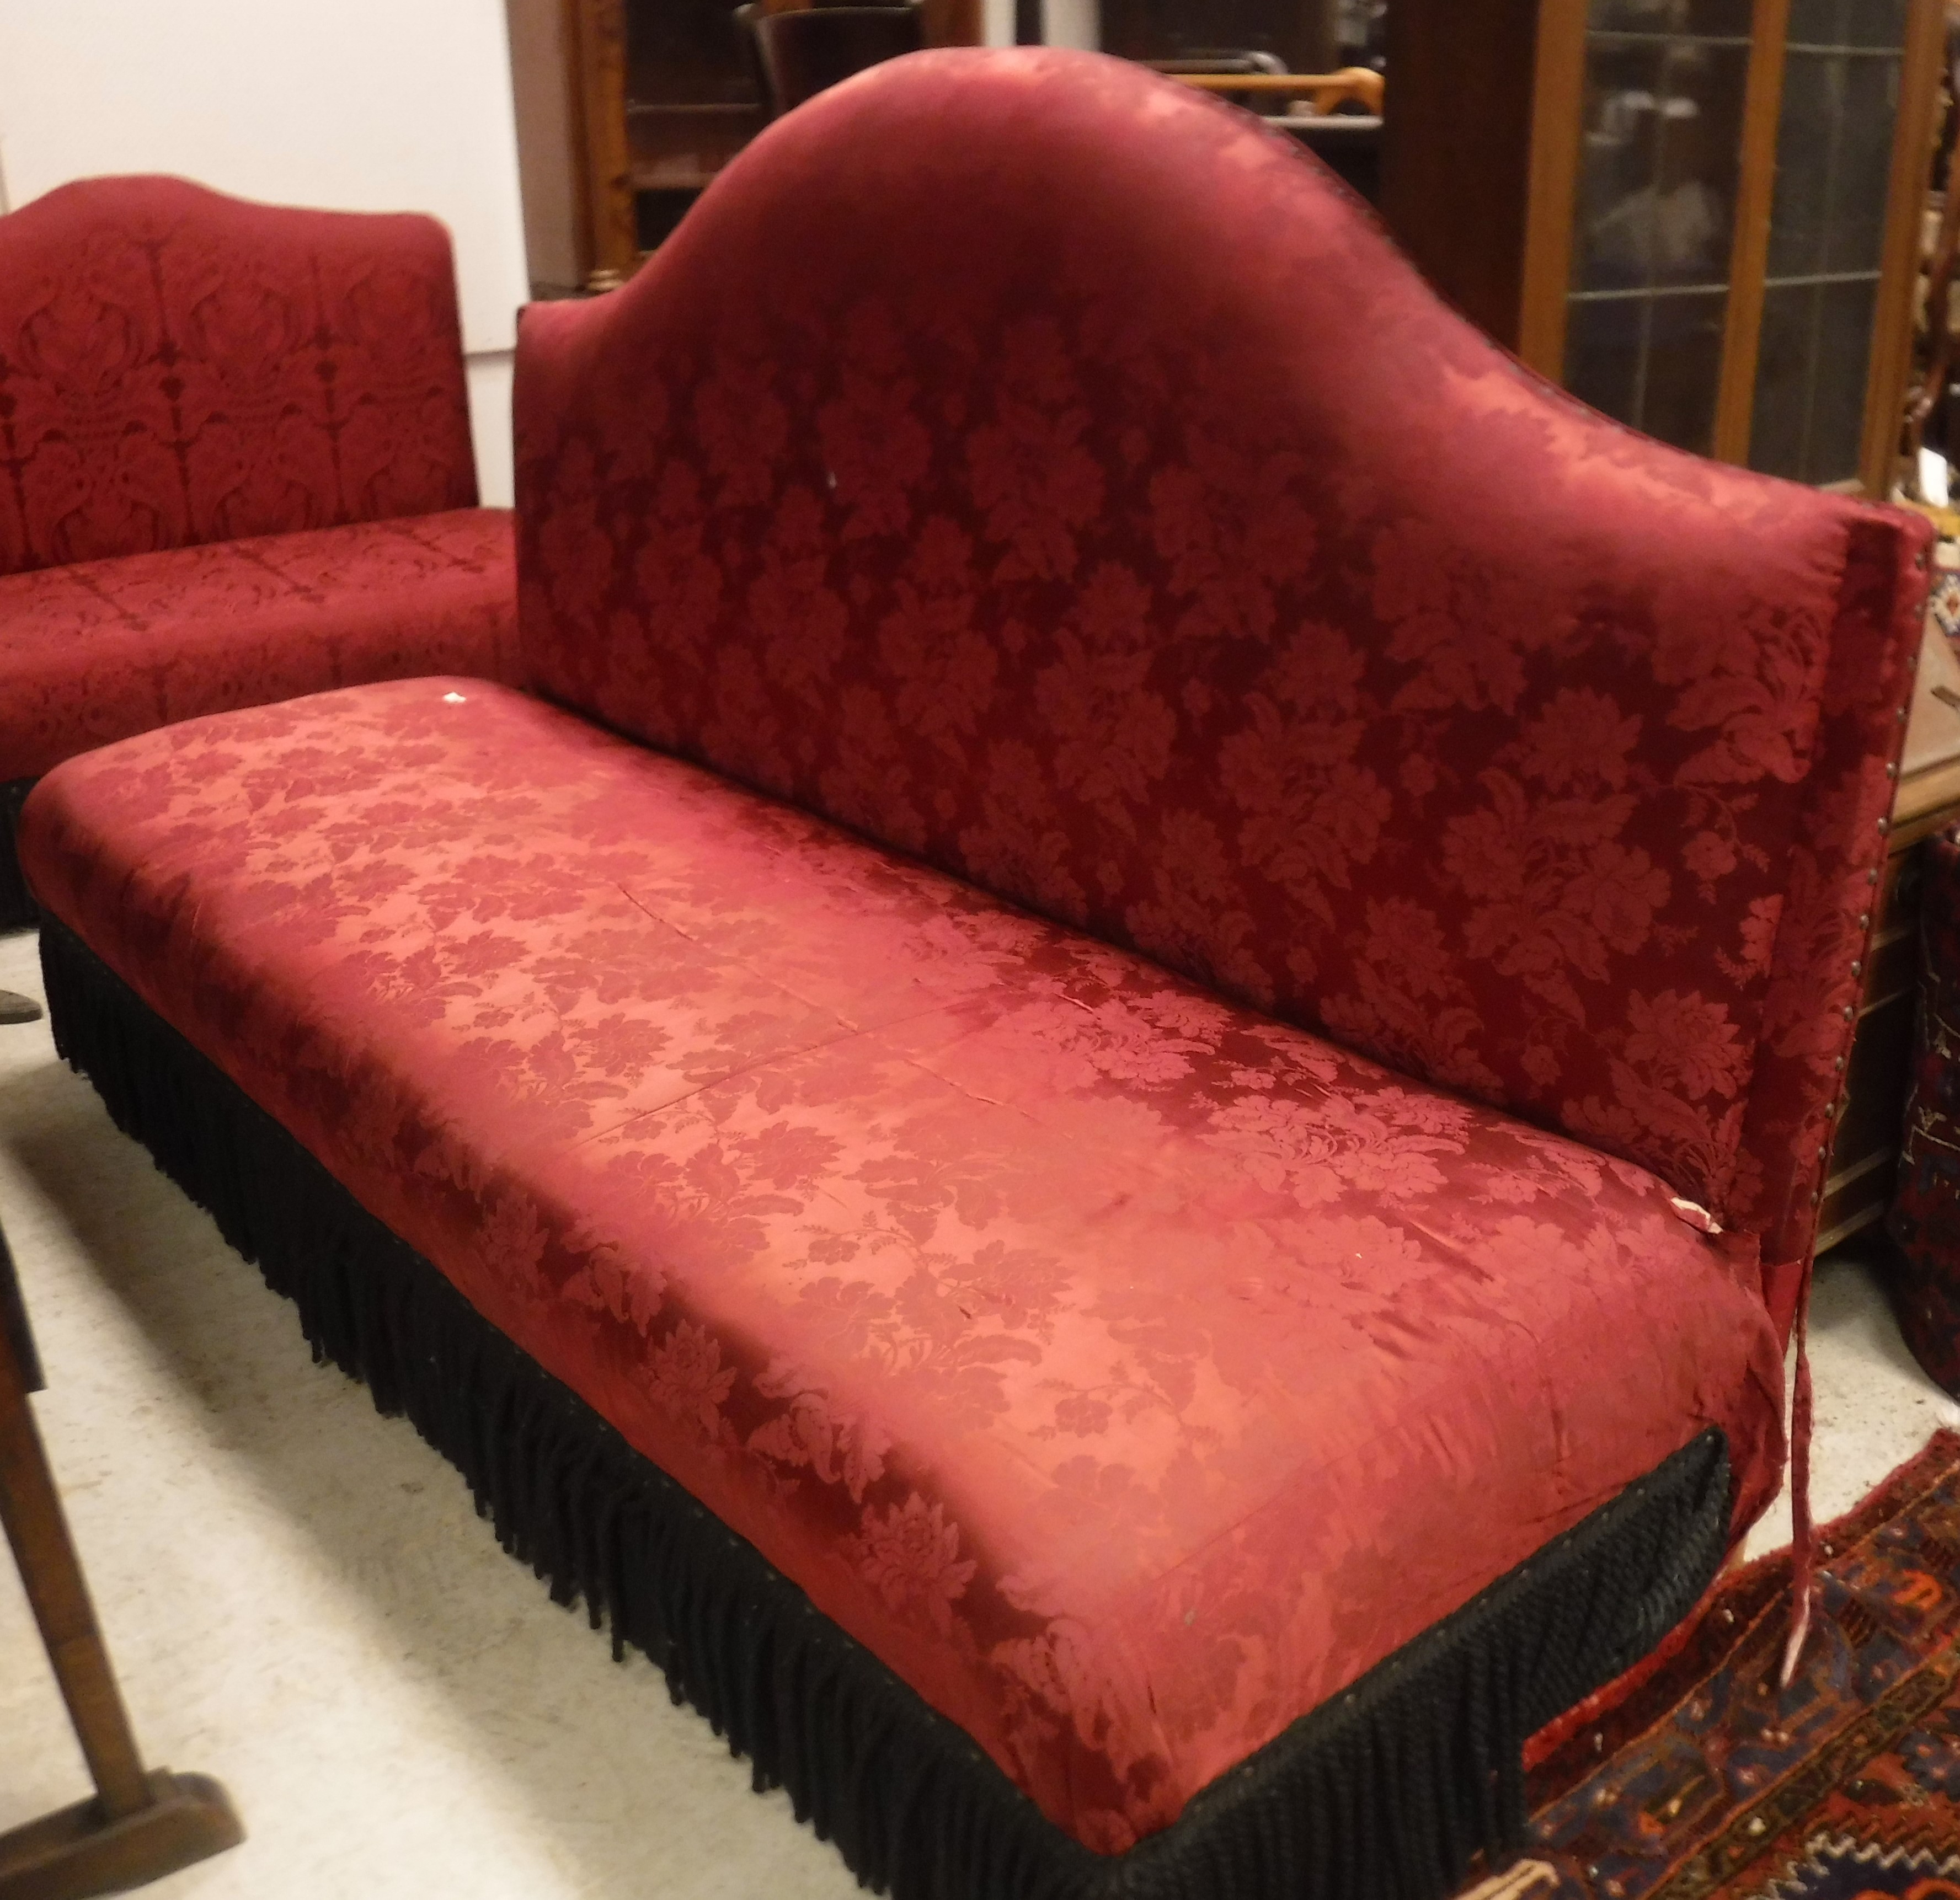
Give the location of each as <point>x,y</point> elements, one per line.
<point>140,1824</point>
<point>80,1851</point>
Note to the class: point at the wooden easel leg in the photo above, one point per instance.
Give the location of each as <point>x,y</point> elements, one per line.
<point>78,1851</point>
<point>140,1825</point>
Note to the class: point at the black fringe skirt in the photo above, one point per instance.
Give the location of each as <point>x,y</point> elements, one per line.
<point>16,905</point>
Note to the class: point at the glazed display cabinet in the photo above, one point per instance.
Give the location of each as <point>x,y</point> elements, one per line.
<point>1700,216</point>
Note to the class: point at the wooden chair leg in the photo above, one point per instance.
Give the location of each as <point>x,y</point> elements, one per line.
<point>139,1825</point>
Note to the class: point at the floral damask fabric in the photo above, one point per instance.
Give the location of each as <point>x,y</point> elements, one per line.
<point>97,650</point>
<point>1128,1370</point>
<point>1119,523</point>
<point>177,366</point>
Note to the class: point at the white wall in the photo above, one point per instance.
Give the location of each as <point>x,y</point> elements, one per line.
<point>1073,23</point>
<point>548,161</point>
<point>357,105</point>
<point>1064,23</point>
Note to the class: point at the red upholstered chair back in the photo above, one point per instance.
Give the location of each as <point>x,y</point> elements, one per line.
<point>1050,472</point>
<point>177,366</point>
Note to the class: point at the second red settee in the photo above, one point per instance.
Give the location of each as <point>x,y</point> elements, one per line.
<point>235,466</point>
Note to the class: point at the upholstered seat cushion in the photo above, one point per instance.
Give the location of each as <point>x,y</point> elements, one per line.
<point>1128,1370</point>
<point>99,649</point>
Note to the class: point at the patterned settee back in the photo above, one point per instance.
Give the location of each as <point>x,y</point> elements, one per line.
<point>1049,472</point>
<point>177,366</point>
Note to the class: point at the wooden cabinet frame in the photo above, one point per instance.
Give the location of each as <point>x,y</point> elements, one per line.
<point>595,36</point>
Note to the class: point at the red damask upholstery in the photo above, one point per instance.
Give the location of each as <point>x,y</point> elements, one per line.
<point>1095,1351</point>
<point>93,651</point>
<point>1159,553</point>
<point>234,462</point>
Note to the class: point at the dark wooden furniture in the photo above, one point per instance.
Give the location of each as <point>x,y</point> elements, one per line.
<point>1864,1154</point>
<point>141,1824</point>
<point>1302,35</point>
<point>804,50</point>
<point>1700,215</point>
<point>1350,145</point>
<point>665,93</point>
<point>667,97</point>
<point>1456,146</point>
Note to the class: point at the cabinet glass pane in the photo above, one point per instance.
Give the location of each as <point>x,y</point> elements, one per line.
<point>1605,338</point>
<point>1783,356</point>
<point>1810,379</point>
<point>1684,368</point>
<point>1662,137</point>
<point>1855,227</point>
<point>1654,362</point>
<point>1812,97</point>
<point>1827,235</point>
<point>1618,160</point>
<point>1845,315</point>
<point>1657,185</point>
<point>1696,16</point>
<point>1847,23</point>
<point>1834,159</point>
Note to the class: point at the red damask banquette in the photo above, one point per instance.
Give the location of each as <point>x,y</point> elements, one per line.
<point>1110,1112</point>
<point>235,467</point>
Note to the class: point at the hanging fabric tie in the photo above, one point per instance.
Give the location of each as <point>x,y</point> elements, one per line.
<point>1803,1531</point>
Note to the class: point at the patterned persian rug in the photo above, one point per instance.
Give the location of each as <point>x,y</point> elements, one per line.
<point>1706,1783</point>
